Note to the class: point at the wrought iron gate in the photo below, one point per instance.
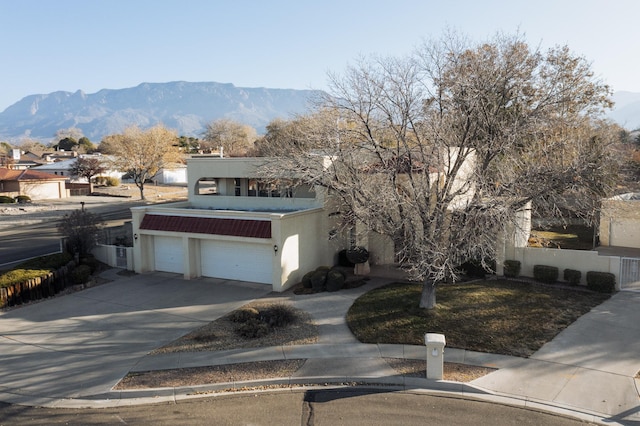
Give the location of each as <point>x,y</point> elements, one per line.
<point>629,273</point>
<point>121,257</point>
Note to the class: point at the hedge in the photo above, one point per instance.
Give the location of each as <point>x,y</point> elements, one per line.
<point>602,282</point>
<point>545,274</point>
<point>573,276</point>
<point>511,268</point>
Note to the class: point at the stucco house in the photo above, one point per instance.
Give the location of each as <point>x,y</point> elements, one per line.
<point>235,226</point>
<point>22,161</point>
<point>37,185</point>
<point>63,168</point>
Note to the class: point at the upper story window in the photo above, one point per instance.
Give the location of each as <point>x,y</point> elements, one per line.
<point>207,186</point>
<point>252,187</point>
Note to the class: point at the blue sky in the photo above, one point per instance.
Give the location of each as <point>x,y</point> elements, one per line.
<point>50,45</point>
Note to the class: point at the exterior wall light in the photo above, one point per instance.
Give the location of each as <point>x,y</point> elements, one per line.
<point>275,249</point>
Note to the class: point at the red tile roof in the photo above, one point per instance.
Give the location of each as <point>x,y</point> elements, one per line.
<point>28,174</point>
<point>208,225</point>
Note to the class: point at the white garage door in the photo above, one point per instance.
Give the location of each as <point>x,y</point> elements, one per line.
<point>237,261</point>
<point>168,254</point>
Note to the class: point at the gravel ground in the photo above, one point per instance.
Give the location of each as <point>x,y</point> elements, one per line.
<point>280,368</point>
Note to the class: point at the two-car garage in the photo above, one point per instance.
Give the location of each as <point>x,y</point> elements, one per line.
<point>272,248</point>
<point>247,259</point>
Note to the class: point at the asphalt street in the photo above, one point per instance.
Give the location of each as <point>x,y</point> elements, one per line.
<point>19,242</point>
<point>311,407</point>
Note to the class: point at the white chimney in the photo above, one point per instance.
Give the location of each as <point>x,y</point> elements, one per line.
<point>16,154</point>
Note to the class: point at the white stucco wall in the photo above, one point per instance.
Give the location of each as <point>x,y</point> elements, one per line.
<point>581,260</point>
<point>302,238</point>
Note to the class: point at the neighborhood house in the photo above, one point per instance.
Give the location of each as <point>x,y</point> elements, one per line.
<point>32,183</point>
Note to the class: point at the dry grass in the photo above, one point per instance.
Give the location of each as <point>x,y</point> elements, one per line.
<point>502,317</point>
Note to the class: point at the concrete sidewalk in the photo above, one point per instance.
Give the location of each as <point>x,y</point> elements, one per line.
<point>72,352</point>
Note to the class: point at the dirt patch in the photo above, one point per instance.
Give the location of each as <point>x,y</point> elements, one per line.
<point>451,371</point>
<point>275,369</point>
<point>208,375</point>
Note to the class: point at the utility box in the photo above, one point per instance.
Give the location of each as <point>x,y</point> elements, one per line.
<point>435,355</point>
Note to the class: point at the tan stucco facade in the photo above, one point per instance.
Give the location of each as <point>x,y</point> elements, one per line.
<point>620,221</point>
<point>299,225</point>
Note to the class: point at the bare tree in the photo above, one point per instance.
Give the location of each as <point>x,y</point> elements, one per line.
<point>143,153</point>
<point>69,133</point>
<point>34,146</point>
<point>87,168</point>
<point>235,138</point>
<point>110,143</point>
<point>439,150</point>
<point>80,227</point>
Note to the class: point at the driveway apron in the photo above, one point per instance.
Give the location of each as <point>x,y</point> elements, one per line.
<point>82,344</point>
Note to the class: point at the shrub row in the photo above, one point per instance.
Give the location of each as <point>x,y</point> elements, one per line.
<point>43,277</point>
<point>17,199</point>
<point>108,181</point>
<point>43,286</point>
<point>33,268</point>
<point>602,282</point>
<point>324,278</point>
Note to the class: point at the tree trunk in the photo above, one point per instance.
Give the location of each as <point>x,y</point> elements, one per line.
<point>428,298</point>
<point>141,188</point>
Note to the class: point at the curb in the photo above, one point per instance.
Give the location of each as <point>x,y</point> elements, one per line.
<point>414,385</point>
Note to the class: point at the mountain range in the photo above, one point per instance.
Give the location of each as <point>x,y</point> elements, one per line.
<point>183,106</point>
<point>626,111</point>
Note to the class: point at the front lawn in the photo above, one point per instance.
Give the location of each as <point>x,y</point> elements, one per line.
<point>500,316</point>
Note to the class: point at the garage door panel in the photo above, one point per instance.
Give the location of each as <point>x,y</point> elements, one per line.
<point>168,254</point>
<point>237,261</point>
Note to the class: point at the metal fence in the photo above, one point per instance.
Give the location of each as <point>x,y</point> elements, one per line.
<point>629,273</point>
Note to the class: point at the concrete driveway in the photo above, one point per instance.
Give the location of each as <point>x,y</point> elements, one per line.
<point>81,344</point>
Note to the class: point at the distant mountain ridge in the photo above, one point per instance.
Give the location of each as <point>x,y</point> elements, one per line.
<point>626,111</point>
<point>183,106</point>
